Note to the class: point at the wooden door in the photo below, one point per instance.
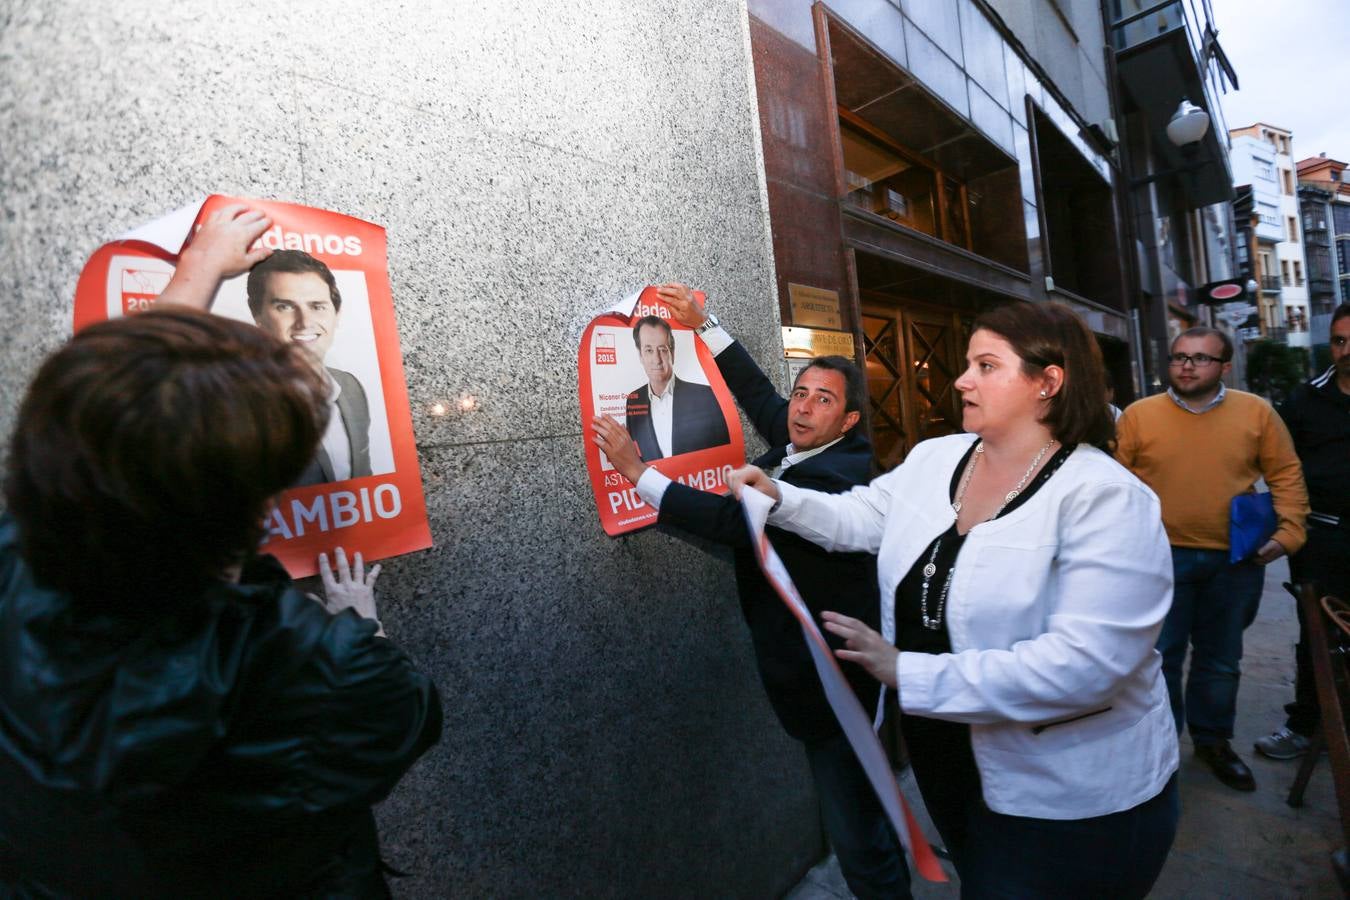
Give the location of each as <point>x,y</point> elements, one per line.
<point>913,357</point>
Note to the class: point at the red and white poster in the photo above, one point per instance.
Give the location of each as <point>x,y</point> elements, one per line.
<point>641,366</point>
<point>363,491</point>
<point>852,718</point>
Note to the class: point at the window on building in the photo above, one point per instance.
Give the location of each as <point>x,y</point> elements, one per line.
<point>1292,224</point>
<point>1080,240</point>
<point>909,159</point>
<point>1298,273</point>
<point>1284,273</point>
<point>1298,318</point>
<point>1288,178</point>
<point>1335,174</point>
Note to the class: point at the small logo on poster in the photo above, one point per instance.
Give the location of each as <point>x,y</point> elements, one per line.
<point>605,354</point>
<point>140,287</point>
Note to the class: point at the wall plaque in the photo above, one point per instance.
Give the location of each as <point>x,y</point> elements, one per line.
<point>814,306</point>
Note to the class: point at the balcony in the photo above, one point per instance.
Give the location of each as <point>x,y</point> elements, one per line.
<point>1270,284</point>
<point>1317,236</point>
<point>1163,55</point>
<point>1321,285</point>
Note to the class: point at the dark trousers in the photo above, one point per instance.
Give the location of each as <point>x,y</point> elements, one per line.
<point>1325,561</point>
<point>1118,855</point>
<point>1213,602</point>
<point>997,855</point>
<point>870,855</point>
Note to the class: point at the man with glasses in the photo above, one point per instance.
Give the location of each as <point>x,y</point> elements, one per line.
<point>1197,446</point>
<point>1318,416</point>
<point>667,416</point>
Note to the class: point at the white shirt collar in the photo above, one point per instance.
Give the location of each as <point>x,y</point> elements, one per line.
<point>1218,398</point>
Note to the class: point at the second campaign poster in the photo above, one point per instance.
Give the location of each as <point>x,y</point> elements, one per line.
<point>655,377</point>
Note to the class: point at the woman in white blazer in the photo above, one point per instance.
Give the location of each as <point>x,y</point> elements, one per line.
<point>1024,576</point>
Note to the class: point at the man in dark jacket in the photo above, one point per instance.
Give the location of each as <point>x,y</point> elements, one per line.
<point>175,719</point>
<point>1318,416</point>
<point>815,445</point>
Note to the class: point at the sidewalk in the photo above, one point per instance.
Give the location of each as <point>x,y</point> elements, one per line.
<point>1229,844</point>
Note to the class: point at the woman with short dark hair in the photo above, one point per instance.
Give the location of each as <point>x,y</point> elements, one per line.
<point>1024,579</point>
<point>176,719</point>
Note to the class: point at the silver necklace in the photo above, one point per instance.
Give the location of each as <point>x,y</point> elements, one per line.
<point>930,569</point>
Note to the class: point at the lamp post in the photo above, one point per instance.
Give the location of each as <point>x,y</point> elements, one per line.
<point>1187,127</point>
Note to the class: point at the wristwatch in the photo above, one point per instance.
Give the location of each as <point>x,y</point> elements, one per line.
<point>708,324</point>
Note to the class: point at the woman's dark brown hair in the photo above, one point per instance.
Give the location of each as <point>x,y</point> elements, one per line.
<point>1050,334</point>
<point>147,449</point>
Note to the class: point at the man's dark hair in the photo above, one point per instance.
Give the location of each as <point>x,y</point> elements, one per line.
<point>855,386</point>
<point>1050,334</point>
<point>1200,331</point>
<point>296,262</point>
<point>146,452</point>
<point>1340,312</point>
<point>659,323</point>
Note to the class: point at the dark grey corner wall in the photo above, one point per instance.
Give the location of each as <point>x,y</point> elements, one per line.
<point>605,730</point>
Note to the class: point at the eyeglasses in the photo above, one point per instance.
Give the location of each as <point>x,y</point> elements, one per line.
<point>1199,360</point>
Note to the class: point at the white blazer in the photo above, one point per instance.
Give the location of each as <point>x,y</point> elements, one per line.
<point>1053,614</point>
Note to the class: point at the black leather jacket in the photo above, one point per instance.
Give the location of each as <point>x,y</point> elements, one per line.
<point>233,749</point>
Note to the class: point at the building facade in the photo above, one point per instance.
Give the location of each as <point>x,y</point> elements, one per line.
<point>1289,250</point>
<point>1258,201</point>
<point>1325,203</point>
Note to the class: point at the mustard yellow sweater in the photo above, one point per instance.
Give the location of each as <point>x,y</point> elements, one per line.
<point>1196,463</point>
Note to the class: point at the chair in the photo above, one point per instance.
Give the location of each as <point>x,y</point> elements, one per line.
<point>1327,631</point>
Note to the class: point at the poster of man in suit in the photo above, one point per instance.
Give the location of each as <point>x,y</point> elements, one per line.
<point>641,366</point>
<point>666,416</point>
<point>323,286</point>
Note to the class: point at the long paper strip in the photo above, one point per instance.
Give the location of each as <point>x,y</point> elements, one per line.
<point>855,722</point>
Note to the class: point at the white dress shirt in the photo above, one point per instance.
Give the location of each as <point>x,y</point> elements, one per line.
<point>335,442</point>
<point>651,487</point>
<point>663,414</point>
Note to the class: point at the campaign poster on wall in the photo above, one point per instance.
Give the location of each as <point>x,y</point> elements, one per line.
<point>363,491</point>
<point>641,366</point>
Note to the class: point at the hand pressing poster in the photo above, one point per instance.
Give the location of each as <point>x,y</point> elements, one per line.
<point>325,288</point>
<point>650,373</point>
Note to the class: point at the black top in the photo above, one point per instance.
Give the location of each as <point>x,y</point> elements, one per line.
<point>841,582</point>
<point>1318,416</point>
<point>230,748</point>
<point>910,633</point>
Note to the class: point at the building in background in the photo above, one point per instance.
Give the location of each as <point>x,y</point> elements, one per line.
<point>927,160</point>
<point>1257,201</point>
<point>1288,250</point>
<point>1324,201</point>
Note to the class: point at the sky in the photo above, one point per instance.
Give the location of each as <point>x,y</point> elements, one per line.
<point>1293,64</point>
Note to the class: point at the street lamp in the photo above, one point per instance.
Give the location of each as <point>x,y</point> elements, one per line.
<point>1188,124</point>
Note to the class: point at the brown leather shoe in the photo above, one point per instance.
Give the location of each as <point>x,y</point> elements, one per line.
<point>1226,765</point>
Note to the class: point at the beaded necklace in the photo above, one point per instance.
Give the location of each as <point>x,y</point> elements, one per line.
<point>930,569</point>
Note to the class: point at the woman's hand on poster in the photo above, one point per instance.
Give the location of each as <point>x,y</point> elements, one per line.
<point>863,646</point>
<point>618,445</point>
<point>753,477</point>
<point>351,587</point>
<point>682,302</point>
<point>222,248</point>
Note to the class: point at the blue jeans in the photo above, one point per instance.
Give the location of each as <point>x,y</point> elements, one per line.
<point>1212,604</point>
<point>869,853</point>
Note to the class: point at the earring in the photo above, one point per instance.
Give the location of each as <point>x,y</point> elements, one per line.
<point>1045,395</point>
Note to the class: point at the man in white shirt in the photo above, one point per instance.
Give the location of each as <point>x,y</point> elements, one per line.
<point>667,416</point>
<point>295,298</point>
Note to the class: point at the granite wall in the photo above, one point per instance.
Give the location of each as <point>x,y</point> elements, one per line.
<point>605,730</point>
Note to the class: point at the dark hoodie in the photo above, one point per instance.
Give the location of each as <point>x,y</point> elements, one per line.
<point>233,749</point>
